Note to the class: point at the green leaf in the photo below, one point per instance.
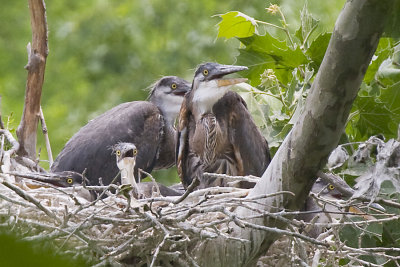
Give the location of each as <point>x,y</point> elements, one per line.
<point>317,50</point>
<point>388,72</point>
<point>372,118</point>
<point>391,235</point>
<point>382,52</point>
<point>350,235</point>
<point>392,27</point>
<point>266,52</point>
<point>391,98</point>
<point>308,25</point>
<point>236,24</point>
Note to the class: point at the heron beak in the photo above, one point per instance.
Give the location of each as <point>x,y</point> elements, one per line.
<point>228,82</point>
<point>223,70</point>
<point>182,90</point>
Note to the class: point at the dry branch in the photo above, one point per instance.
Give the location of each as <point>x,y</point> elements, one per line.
<point>37,54</point>
<point>46,137</point>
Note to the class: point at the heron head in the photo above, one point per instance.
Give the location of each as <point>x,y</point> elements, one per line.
<point>125,155</point>
<point>209,85</point>
<point>326,190</point>
<point>64,179</point>
<point>167,94</point>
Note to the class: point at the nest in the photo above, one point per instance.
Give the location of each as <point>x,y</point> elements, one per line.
<point>169,231</point>
<point>116,229</point>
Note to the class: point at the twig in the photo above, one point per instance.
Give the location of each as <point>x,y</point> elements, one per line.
<point>248,178</point>
<point>25,196</point>
<point>14,143</point>
<point>1,121</point>
<point>153,180</point>
<point>241,223</point>
<point>190,188</point>
<point>46,136</point>
<point>158,250</point>
<point>31,164</point>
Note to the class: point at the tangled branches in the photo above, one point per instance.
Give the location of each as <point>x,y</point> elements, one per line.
<point>167,231</point>
<point>157,232</point>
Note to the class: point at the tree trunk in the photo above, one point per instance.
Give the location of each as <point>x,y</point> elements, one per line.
<point>316,133</point>
<point>37,54</point>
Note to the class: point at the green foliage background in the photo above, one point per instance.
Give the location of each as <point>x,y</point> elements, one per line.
<point>103,53</point>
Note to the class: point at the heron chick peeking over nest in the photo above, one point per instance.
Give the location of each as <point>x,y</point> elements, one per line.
<point>125,154</point>
<point>216,132</point>
<point>147,124</point>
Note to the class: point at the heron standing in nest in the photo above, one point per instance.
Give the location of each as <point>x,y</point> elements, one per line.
<point>147,124</point>
<point>216,132</point>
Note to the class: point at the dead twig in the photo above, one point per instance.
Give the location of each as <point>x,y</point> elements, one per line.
<point>46,137</point>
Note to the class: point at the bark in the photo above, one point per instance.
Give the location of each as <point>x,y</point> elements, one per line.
<point>37,54</point>
<point>307,147</point>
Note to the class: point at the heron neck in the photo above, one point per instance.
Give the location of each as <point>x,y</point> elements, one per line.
<point>205,97</point>
<point>169,109</point>
<point>127,175</point>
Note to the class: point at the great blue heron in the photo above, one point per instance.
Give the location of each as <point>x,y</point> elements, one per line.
<point>147,124</point>
<point>216,132</point>
<point>125,154</point>
<point>322,212</point>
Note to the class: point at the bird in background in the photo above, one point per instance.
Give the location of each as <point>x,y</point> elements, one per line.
<point>216,132</point>
<point>326,212</point>
<point>149,125</point>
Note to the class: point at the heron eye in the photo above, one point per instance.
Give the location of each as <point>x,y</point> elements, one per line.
<point>70,180</point>
<point>118,152</point>
<point>205,72</point>
<point>135,152</point>
<point>173,86</point>
<point>331,187</point>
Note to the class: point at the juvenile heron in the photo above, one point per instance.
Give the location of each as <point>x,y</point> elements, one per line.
<point>125,154</point>
<point>216,132</point>
<point>323,212</point>
<point>147,124</point>
<point>125,158</point>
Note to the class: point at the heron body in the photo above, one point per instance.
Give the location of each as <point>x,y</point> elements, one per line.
<point>147,124</point>
<point>216,132</point>
<point>315,212</point>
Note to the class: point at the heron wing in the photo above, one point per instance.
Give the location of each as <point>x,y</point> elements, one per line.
<point>250,147</point>
<point>186,162</point>
<point>137,122</point>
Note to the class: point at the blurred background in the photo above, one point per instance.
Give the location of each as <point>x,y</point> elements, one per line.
<point>103,53</point>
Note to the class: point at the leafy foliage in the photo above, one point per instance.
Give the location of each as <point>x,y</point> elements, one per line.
<point>283,63</point>
<point>236,24</point>
<point>18,253</point>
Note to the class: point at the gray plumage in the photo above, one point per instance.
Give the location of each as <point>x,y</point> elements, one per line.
<point>216,132</point>
<point>147,124</point>
<point>313,211</point>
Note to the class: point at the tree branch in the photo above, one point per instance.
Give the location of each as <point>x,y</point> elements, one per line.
<point>37,54</point>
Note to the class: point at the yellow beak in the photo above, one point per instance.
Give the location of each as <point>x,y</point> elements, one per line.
<point>227,82</point>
